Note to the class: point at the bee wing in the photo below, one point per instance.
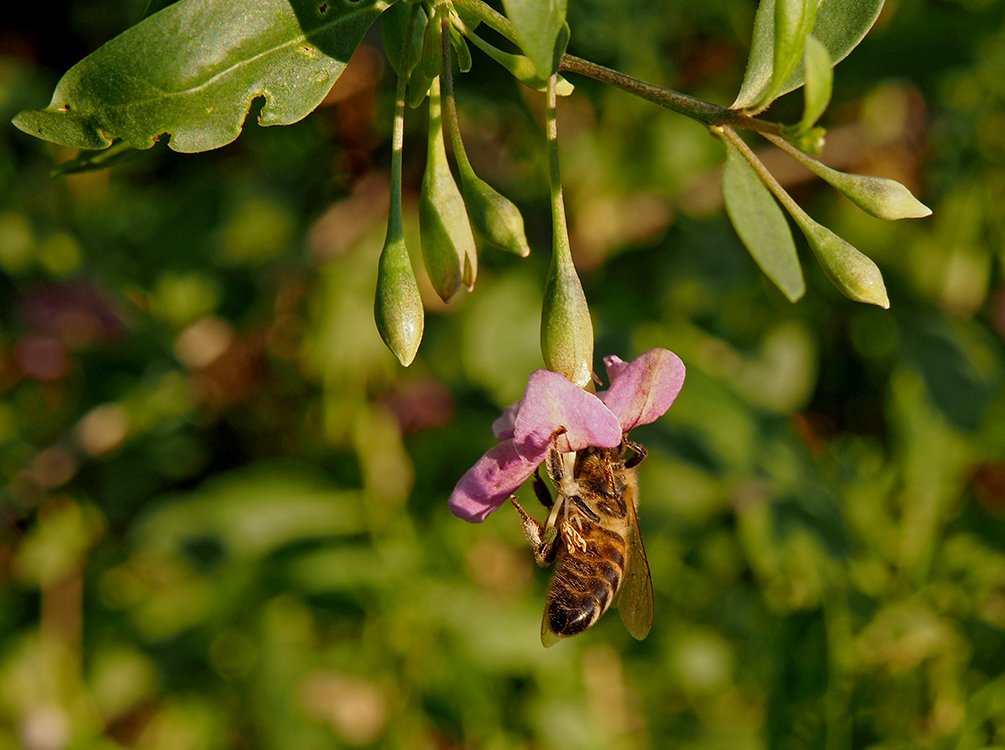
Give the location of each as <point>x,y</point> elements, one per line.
<point>548,636</point>
<point>635,599</point>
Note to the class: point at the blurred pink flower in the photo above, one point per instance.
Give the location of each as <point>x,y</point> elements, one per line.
<point>555,410</point>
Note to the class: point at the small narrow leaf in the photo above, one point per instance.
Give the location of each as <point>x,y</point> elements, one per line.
<point>520,67</point>
<point>840,25</point>
<point>460,46</point>
<point>537,23</point>
<point>819,80</point>
<point>431,61</point>
<point>393,26</point>
<point>192,70</point>
<point>793,23</point>
<point>761,225</point>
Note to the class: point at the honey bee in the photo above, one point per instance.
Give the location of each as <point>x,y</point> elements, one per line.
<point>593,532</point>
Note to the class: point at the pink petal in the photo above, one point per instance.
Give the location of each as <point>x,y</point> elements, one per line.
<point>553,403</point>
<point>615,366</point>
<point>493,478</point>
<point>502,427</point>
<point>642,390</point>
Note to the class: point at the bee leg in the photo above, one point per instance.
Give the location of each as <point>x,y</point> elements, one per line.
<point>639,453</point>
<point>541,490</point>
<point>542,540</point>
<point>555,468</point>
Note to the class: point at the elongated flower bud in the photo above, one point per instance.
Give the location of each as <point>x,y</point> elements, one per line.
<point>496,221</point>
<point>448,246</point>
<point>853,273</point>
<point>880,196</point>
<point>397,306</point>
<point>566,327</point>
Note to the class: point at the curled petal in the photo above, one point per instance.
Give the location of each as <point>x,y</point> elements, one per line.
<point>502,427</point>
<point>615,366</point>
<point>642,390</point>
<point>554,406</point>
<point>493,478</point>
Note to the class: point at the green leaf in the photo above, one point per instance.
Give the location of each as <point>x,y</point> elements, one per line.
<point>393,27</point>
<point>538,23</point>
<point>840,25</point>
<point>430,62</point>
<point>819,81</point>
<point>793,23</point>
<point>460,50</point>
<point>193,69</point>
<point>520,67</point>
<point>761,225</point>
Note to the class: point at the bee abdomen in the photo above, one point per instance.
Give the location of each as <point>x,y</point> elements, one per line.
<point>583,589</point>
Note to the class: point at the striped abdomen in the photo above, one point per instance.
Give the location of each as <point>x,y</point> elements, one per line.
<point>595,548</point>
<point>585,582</point>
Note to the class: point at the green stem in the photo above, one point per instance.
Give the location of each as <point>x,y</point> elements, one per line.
<point>800,156</point>
<point>561,247</point>
<point>697,109</point>
<point>450,105</point>
<point>395,226</point>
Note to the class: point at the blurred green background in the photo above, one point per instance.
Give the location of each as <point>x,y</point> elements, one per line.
<point>223,518</point>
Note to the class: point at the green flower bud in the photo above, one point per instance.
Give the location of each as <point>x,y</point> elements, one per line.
<point>854,274</point>
<point>496,221</point>
<point>397,306</point>
<point>448,246</point>
<point>566,329</point>
<point>880,196</point>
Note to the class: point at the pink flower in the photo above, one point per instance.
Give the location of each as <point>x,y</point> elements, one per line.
<point>554,409</point>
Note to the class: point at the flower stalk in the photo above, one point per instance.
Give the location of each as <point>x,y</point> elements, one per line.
<point>397,306</point>
<point>566,327</point>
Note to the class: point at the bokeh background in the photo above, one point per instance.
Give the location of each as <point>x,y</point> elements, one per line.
<point>223,519</point>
